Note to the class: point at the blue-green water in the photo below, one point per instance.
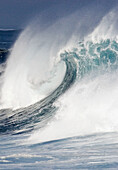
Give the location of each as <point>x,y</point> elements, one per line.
<point>75,125</point>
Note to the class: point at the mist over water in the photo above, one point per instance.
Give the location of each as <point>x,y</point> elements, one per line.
<point>29,73</point>
<point>37,66</point>
<point>90,106</point>
<point>59,90</point>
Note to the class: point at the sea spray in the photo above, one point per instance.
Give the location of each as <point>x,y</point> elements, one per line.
<point>36,54</point>
<point>90,106</point>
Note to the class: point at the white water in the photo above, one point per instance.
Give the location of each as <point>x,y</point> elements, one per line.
<point>34,70</point>
<point>90,106</point>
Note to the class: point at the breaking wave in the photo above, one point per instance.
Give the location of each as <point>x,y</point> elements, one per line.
<point>60,83</point>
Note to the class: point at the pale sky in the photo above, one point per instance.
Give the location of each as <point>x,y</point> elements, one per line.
<point>17,13</point>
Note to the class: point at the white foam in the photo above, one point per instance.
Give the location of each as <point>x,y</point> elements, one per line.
<point>36,53</point>
<point>89,107</point>
<point>33,67</point>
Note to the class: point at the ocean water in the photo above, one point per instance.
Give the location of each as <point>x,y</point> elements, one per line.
<point>58,95</point>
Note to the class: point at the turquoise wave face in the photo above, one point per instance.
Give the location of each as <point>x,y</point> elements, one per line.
<point>94,57</point>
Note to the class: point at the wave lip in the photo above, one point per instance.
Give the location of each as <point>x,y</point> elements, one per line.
<point>27,119</point>
<point>37,81</point>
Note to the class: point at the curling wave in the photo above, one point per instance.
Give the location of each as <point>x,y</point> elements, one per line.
<point>60,80</point>
<point>26,119</point>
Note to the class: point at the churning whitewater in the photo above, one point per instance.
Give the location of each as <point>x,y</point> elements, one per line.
<point>60,83</point>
